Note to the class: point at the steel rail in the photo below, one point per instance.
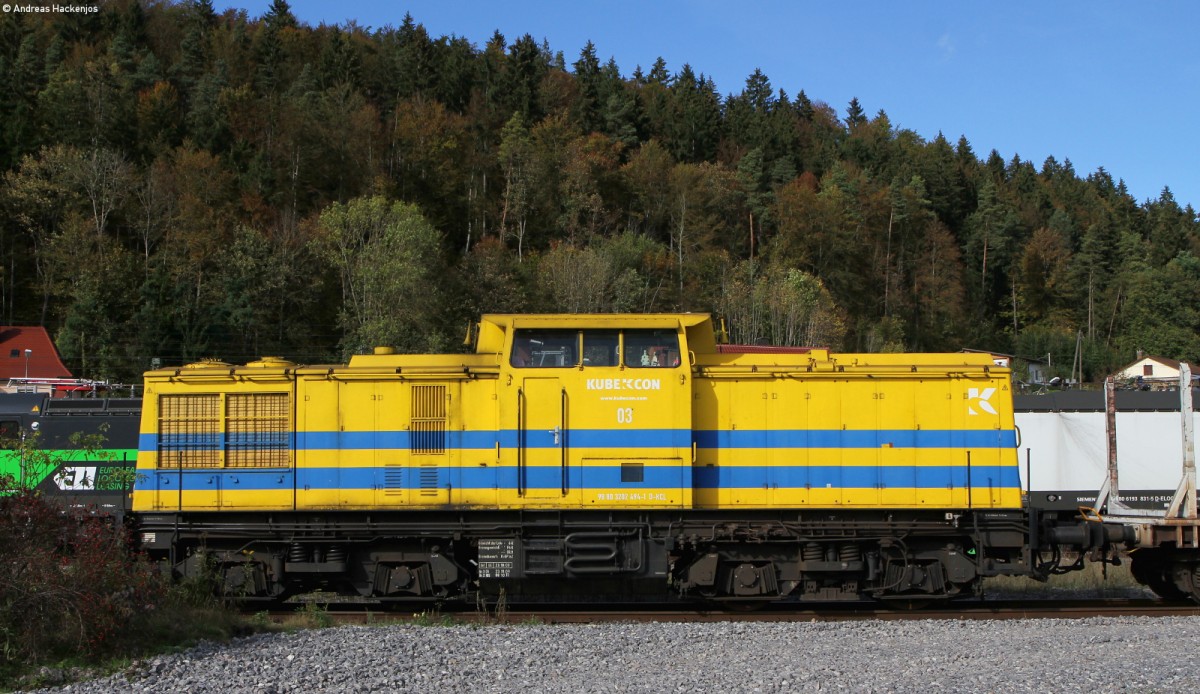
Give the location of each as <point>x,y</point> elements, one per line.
<point>340,613</point>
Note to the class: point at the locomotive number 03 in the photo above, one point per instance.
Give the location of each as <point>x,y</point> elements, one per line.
<point>624,415</point>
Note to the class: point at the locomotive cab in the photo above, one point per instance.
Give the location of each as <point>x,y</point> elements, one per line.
<point>571,386</point>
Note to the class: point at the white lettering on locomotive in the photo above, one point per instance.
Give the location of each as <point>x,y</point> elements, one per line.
<point>624,384</point>
<point>980,398</point>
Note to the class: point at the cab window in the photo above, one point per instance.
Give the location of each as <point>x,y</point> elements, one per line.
<point>541,349</point>
<point>600,347</point>
<point>651,349</point>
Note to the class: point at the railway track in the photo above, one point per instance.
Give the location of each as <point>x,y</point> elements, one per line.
<point>973,610</point>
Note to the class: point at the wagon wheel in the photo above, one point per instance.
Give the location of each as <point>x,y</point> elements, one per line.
<point>1151,571</point>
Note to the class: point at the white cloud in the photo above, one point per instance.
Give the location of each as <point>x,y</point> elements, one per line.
<point>946,44</point>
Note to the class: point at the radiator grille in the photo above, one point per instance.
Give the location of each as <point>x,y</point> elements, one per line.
<point>253,433</point>
<point>189,431</point>
<point>257,430</point>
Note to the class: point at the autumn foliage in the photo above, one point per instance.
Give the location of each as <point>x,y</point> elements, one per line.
<point>180,183</point>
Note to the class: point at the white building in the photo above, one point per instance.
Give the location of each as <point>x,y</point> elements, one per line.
<point>1155,372</point>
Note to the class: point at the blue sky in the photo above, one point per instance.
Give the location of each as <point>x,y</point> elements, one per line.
<point>1102,83</point>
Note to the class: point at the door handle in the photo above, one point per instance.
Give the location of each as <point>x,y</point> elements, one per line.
<point>556,431</point>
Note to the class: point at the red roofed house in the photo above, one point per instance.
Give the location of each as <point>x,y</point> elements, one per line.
<point>29,363</point>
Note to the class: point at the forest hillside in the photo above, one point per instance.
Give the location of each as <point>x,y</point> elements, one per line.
<point>180,184</point>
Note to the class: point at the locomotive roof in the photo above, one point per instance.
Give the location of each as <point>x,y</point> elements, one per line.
<point>494,338</point>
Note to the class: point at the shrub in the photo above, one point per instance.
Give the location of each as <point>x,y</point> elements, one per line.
<point>69,586</point>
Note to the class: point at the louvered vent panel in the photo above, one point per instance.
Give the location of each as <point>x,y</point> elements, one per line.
<point>393,480</point>
<point>429,479</point>
<point>428,426</point>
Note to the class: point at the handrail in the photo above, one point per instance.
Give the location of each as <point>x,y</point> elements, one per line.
<point>969,504</point>
<point>884,373</point>
<point>520,442</point>
<point>402,376</point>
<point>563,444</point>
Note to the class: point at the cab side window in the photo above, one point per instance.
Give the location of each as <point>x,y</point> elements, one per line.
<point>651,349</point>
<point>541,349</point>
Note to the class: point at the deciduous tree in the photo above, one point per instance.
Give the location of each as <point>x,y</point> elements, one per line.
<point>387,256</point>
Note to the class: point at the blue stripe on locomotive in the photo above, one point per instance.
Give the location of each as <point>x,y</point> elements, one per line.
<point>846,438</point>
<point>609,476</point>
<point>607,438</point>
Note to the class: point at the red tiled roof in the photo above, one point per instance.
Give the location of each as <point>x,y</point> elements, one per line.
<point>1171,363</point>
<point>43,361</point>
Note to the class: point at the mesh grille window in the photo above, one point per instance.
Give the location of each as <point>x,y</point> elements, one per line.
<point>240,430</point>
<point>189,431</point>
<point>256,430</point>
<point>428,426</point>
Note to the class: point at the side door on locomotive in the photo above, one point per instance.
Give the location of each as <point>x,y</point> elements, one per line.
<point>595,412</point>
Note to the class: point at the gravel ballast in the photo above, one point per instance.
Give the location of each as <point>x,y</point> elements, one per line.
<point>1098,654</point>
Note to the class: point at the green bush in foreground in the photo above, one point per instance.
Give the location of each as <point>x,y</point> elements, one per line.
<point>72,593</point>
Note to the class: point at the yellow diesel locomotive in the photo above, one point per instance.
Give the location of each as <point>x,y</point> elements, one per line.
<point>608,457</point>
